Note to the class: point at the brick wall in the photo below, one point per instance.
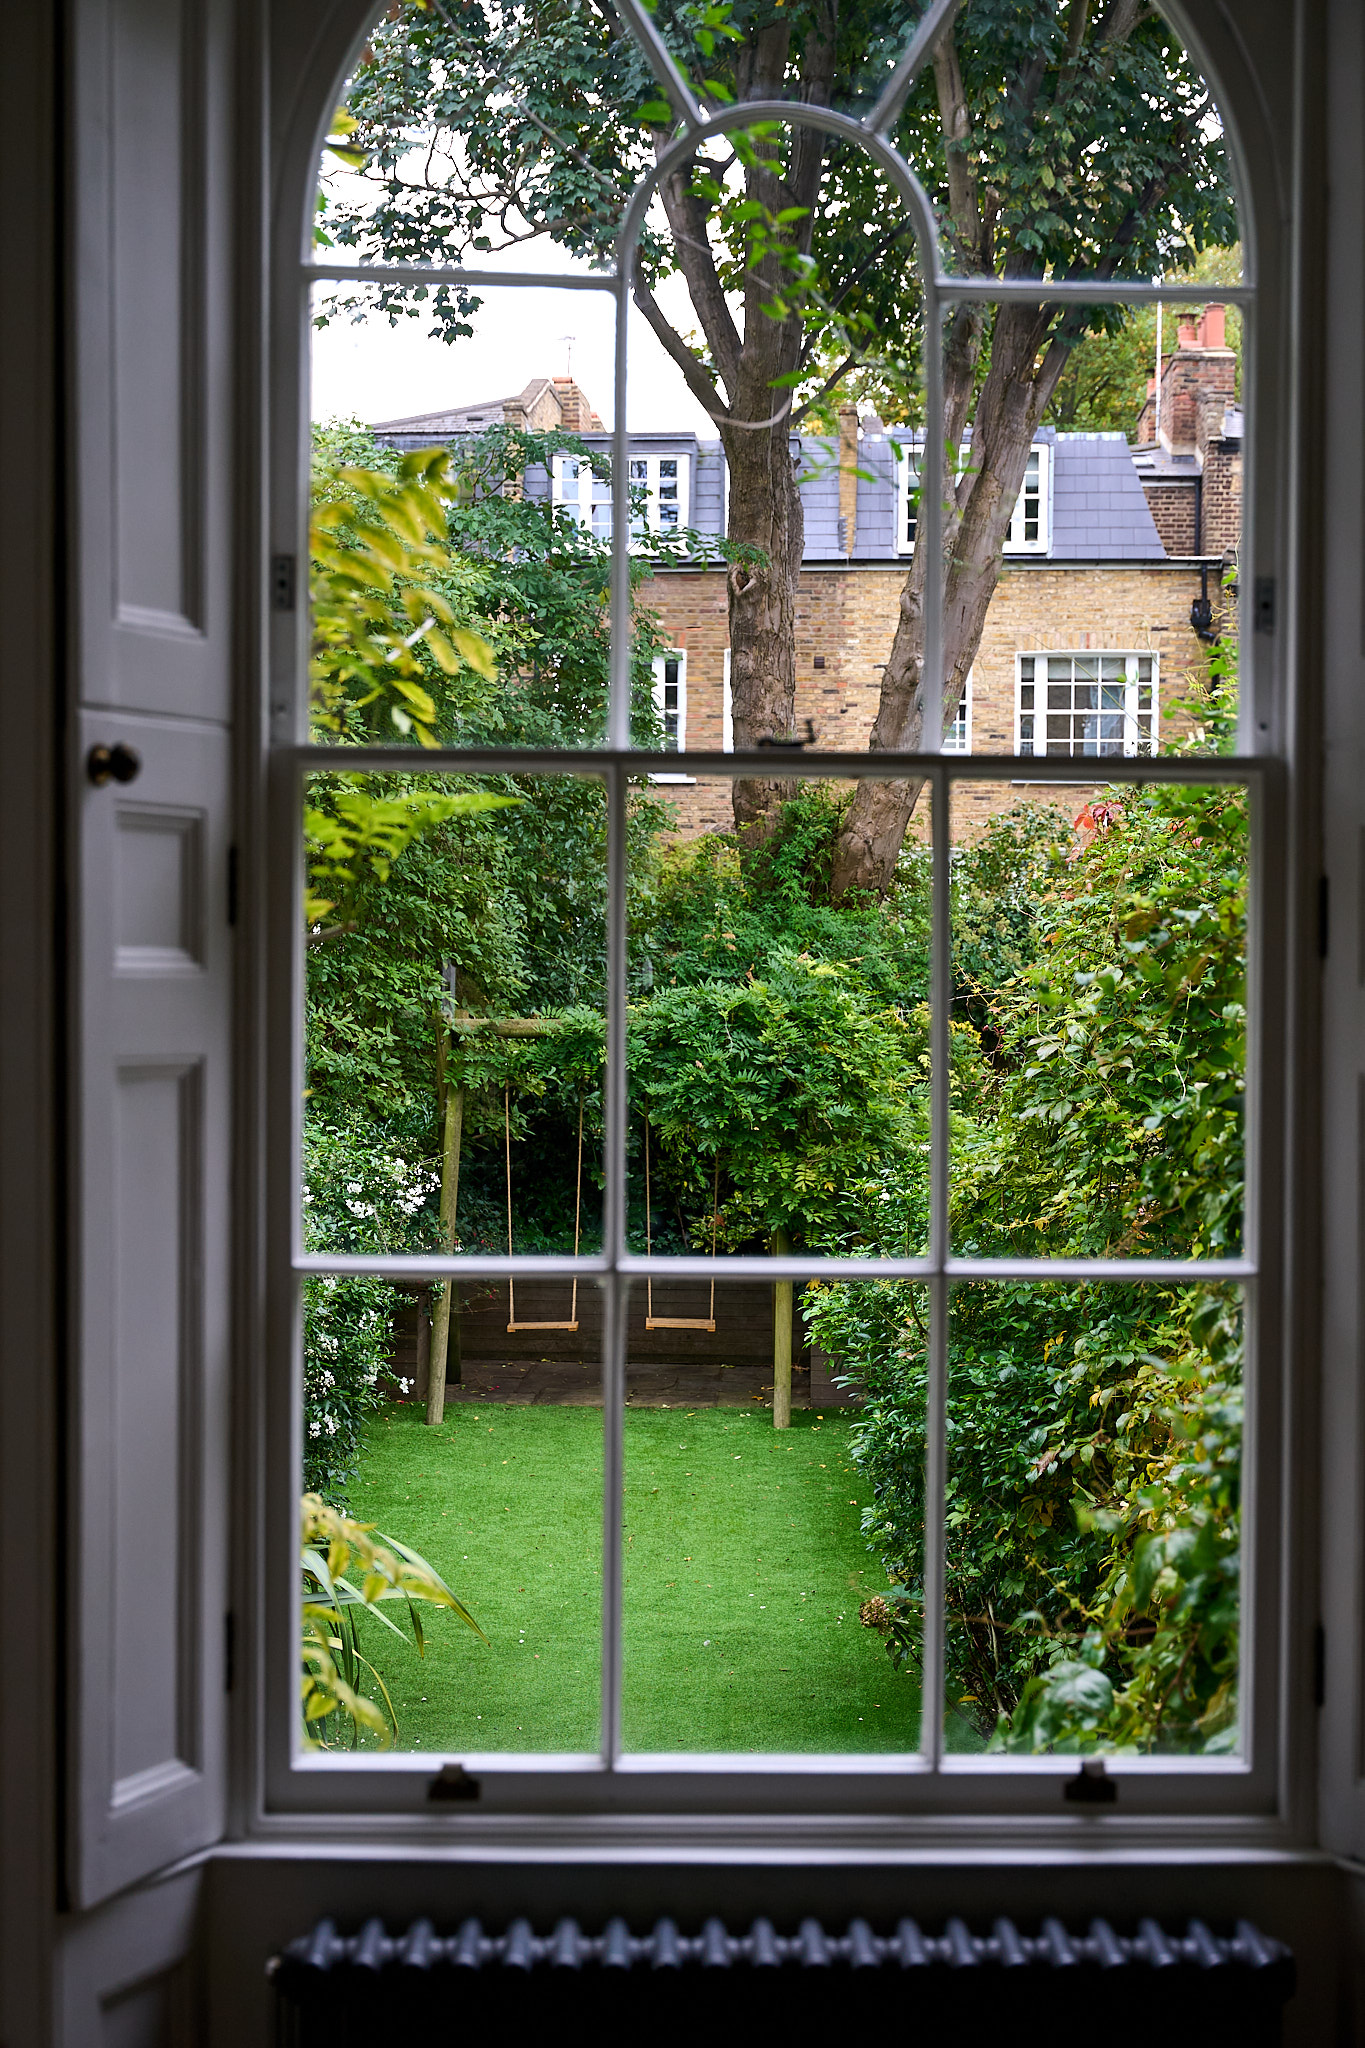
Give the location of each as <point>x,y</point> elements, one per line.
<point>845,620</point>
<point>1175,512</point>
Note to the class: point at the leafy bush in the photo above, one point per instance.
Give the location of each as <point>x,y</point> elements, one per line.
<point>338,1679</point>
<point>1094,1431</point>
<point>357,1197</point>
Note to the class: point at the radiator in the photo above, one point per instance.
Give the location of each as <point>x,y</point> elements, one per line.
<point>1150,1987</point>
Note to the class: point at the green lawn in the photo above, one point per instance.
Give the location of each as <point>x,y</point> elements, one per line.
<point>744,1569</point>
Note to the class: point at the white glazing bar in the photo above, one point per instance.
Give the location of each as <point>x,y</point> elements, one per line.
<point>618,712</point>
<point>531,1265</point>
<point>1097,291</point>
<point>1257,722</point>
<point>1120,771</point>
<point>940,1010</point>
<point>1254,1053</point>
<point>935,1487</point>
<point>931,509</point>
<point>614,1244</point>
<point>613,1478</point>
<point>452,273</point>
<point>661,61</point>
<point>884,115</point>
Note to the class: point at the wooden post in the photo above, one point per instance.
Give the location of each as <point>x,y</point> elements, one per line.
<point>450,1189</point>
<point>447,1318</point>
<point>782,1340</point>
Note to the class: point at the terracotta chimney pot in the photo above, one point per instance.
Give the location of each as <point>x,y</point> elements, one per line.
<point>1213,327</point>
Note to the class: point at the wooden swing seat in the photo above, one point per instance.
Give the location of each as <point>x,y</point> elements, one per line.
<point>653,1322</point>
<point>512,1327</point>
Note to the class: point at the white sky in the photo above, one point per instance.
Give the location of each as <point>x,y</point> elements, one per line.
<point>371,371</point>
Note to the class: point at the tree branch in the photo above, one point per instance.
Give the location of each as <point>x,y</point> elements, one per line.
<point>955,121</point>
<point>833,378</point>
<point>701,386</point>
<point>698,266</point>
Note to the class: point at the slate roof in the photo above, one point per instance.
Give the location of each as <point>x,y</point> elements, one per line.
<point>1099,511</point>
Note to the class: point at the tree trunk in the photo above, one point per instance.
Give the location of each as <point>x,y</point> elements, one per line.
<point>445,1307</point>
<point>782,1340</point>
<point>978,507</point>
<point>765,512</point>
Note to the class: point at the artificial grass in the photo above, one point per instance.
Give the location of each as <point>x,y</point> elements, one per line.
<point>744,1569</point>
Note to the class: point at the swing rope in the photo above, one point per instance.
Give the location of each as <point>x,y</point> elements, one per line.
<point>653,1322</point>
<point>512,1323</point>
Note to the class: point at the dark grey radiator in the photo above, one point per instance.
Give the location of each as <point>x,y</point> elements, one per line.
<point>1150,1987</point>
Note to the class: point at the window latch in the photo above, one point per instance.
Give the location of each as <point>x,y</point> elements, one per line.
<point>453,1786</point>
<point>1091,1786</point>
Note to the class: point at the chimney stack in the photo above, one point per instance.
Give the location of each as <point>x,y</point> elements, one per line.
<point>848,478</point>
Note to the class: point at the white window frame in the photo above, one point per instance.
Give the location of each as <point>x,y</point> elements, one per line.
<point>643,469</point>
<point>1033,507</point>
<point>727,710</point>
<point>1140,712</point>
<point>1228,1800</point>
<point>957,739</point>
<point>592,513</point>
<point>1037,485</point>
<point>648,469</point>
<point>677,657</point>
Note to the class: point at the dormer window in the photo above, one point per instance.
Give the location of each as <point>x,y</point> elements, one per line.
<point>585,493</point>
<point>1030,529</point>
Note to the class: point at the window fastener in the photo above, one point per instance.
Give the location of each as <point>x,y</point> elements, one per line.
<point>1091,1785</point>
<point>453,1785</point>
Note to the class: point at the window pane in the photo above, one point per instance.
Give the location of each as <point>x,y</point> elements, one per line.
<point>778,1035</point>
<point>1094,1478</point>
<point>504,1500</point>
<point>757,1611</point>
<point>1099,964</point>
<point>460,551</point>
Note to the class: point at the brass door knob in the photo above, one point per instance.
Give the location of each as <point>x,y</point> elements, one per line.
<point>113,764</point>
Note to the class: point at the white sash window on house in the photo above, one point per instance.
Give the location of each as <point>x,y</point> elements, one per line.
<point>670,698</point>
<point>658,489</point>
<point>1077,704</point>
<point>583,494</point>
<point>1030,528</point>
<point>957,734</point>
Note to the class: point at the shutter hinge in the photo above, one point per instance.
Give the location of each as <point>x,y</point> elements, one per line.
<point>283,581</point>
<point>1263,604</point>
<point>1319,1666</point>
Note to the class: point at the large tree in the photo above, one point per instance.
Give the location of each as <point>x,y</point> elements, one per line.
<point>1060,138</point>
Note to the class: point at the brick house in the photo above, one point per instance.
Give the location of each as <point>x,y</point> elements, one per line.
<point>1112,570</point>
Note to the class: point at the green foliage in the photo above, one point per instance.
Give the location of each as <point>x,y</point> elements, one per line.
<point>804,1088</point>
<point>386,595</point>
<point>1117,1123</point>
<point>338,1679</point>
<point>355,1198</point>
<point>1094,1431</point>
<point>1100,157</point>
<point>719,911</point>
